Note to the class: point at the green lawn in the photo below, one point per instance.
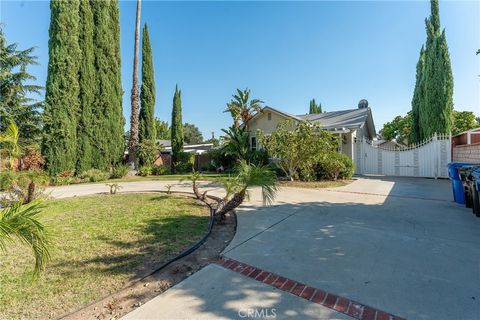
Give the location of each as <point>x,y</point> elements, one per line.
<point>99,244</point>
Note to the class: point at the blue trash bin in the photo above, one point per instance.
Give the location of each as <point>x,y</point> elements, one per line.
<point>457,185</point>
<point>476,192</point>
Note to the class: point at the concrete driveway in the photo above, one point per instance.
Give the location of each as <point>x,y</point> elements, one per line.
<point>397,247</point>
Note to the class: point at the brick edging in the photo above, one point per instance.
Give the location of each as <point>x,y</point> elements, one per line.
<point>340,304</point>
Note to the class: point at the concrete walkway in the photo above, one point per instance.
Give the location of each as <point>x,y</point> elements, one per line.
<point>137,186</point>
<point>396,245</point>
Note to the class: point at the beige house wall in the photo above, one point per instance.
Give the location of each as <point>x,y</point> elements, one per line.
<point>264,123</point>
<point>269,124</point>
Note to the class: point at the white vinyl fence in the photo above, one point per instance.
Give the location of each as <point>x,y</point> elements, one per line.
<point>426,159</point>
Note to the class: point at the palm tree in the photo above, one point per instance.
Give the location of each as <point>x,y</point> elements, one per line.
<point>194,177</point>
<point>243,109</point>
<point>9,139</point>
<point>20,222</point>
<point>251,175</point>
<point>236,142</point>
<point>135,98</point>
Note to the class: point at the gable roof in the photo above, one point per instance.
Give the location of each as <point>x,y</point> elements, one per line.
<point>335,120</point>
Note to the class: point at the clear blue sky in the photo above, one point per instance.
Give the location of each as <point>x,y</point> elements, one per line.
<point>285,52</point>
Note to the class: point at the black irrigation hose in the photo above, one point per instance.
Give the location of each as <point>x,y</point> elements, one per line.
<point>194,247</point>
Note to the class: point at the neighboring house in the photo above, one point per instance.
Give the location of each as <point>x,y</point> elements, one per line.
<point>348,124</point>
<point>193,148</point>
<point>466,146</point>
<point>388,144</point>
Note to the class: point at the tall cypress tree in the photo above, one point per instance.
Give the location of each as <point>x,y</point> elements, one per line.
<point>59,144</point>
<point>117,122</point>
<point>107,108</point>
<point>437,105</point>
<point>314,107</point>
<point>147,95</point>
<point>177,125</point>
<point>85,129</point>
<point>417,99</point>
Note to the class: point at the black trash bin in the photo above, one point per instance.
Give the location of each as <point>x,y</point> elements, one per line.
<point>476,192</point>
<point>468,183</point>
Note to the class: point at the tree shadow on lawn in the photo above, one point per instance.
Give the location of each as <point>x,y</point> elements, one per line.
<point>163,238</point>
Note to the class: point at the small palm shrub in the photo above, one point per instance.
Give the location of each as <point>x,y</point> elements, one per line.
<point>94,175</point>
<point>114,187</point>
<point>145,171</point>
<point>250,175</point>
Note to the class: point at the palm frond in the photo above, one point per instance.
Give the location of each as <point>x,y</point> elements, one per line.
<point>252,175</point>
<point>20,222</point>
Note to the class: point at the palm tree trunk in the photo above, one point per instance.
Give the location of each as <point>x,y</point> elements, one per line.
<point>236,200</point>
<point>30,192</point>
<point>135,99</point>
<point>195,190</point>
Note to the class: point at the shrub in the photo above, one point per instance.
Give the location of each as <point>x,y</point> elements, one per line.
<point>7,179</point>
<point>220,158</point>
<point>63,178</point>
<point>349,170</point>
<point>147,152</point>
<point>160,170</point>
<point>32,159</point>
<point>119,171</point>
<point>334,166</point>
<point>94,175</point>
<point>185,162</point>
<point>258,157</point>
<point>144,171</point>
<point>307,173</point>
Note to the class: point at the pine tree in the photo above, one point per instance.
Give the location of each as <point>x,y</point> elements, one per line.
<point>417,99</point>
<point>59,144</point>
<point>85,128</point>
<point>177,126</point>
<point>437,105</point>
<point>15,91</point>
<point>108,121</point>
<point>147,96</point>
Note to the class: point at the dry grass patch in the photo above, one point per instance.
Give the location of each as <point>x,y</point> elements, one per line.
<point>315,184</point>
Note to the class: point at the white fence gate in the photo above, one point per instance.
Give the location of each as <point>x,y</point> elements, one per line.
<point>426,159</point>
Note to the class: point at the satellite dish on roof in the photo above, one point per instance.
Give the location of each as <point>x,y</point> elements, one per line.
<point>362,104</point>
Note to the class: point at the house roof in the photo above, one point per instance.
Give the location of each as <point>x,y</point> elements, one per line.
<point>336,120</point>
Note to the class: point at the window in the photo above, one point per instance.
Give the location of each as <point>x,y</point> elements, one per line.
<point>269,116</point>
<point>253,144</point>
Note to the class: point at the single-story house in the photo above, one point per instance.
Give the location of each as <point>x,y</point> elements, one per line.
<point>192,148</point>
<point>349,124</point>
<point>388,144</point>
